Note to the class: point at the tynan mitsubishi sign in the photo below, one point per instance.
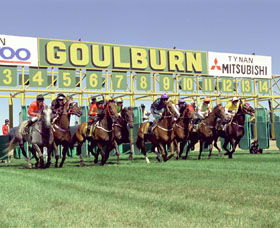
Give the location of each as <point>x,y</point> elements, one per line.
<point>236,65</point>
<point>18,51</point>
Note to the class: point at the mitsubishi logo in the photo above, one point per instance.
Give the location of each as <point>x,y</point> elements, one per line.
<point>214,66</point>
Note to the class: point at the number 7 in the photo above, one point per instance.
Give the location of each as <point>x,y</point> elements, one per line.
<point>120,78</point>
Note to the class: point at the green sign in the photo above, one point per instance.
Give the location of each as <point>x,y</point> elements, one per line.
<point>187,84</point>
<point>208,84</point>
<point>143,82</point>
<point>38,77</point>
<point>227,85</point>
<point>89,55</point>
<point>246,85</point>
<point>8,76</point>
<point>119,81</point>
<point>263,86</point>
<point>67,78</point>
<point>94,79</point>
<point>166,83</point>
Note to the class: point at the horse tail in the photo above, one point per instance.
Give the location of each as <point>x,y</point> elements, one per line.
<point>10,149</point>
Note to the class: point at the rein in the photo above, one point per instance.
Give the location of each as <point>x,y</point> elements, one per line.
<point>164,128</point>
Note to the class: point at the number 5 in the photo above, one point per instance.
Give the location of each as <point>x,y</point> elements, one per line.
<point>66,79</point>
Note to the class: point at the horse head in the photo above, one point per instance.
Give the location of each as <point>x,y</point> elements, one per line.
<point>219,111</point>
<point>46,115</point>
<point>246,108</point>
<point>73,108</point>
<point>170,109</point>
<point>111,111</point>
<point>128,116</point>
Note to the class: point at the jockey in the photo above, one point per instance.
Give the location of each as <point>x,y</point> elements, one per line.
<point>34,112</point>
<point>157,108</point>
<point>95,112</point>
<point>181,105</point>
<point>119,104</point>
<point>203,108</point>
<point>58,103</point>
<point>232,107</point>
<point>145,114</point>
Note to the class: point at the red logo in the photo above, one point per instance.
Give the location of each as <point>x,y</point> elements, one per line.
<point>214,66</point>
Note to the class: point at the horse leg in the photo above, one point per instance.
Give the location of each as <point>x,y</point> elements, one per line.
<point>233,144</point>
<point>143,150</point>
<point>117,151</point>
<point>225,146</point>
<point>109,147</point>
<point>130,157</point>
<point>64,152</point>
<point>79,152</point>
<point>49,154</point>
<point>200,149</point>
<point>216,146</point>
<point>162,150</point>
<point>210,149</point>
<point>55,148</point>
<point>27,159</point>
<point>172,145</point>
<point>181,148</point>
<point>41,158</point>
<point>103,153</point>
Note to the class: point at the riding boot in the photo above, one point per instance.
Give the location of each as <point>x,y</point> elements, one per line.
<point>26,127</point>
<point>152,126</point>
<point>89,132</point>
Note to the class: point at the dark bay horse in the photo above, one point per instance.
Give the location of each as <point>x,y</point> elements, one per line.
<point>121,129</point>
<point>182,129</point>
<point>206,131</point>
<point>101,136</point>
<point>61,131</point>
<point>162,134</point>
<point>233,131</point>
<point>41,136</point>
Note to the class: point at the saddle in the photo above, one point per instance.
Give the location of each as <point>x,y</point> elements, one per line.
<point>91,128</point>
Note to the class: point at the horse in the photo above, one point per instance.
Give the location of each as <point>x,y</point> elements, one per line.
<point>41,136</point>
<point>233,131</point>
<point>61,131</point>
<point>101,135</point>
<point>182,129</point>
<point>121,129</point>
<point>161,135</point>
<point>206,129</point>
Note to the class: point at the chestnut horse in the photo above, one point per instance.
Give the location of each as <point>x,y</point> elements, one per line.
<point>101,136</point>
<point>182,129</point>
<point>206,131</point>
<point>121,129</point>
<point>61,131</point>
<point>161,135</point>
<point>233,131</point>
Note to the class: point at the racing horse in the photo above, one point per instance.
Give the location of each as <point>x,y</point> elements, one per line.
<point>233,131</point>
<point>182,129</point>
<point>61,130</point>
<point>101,135</point>
<point>161,135</point>
<point>121,129</point>
<point>40,136</point>
<point>205,132</point>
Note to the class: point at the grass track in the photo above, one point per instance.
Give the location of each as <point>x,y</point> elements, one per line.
<point>244,191</point>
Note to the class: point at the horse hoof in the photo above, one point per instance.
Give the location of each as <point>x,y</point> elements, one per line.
<point>30,166</point>
<point>95,161</point>
<point>130,158</point>
<point>227,153</point>
<point>184,157</point>
<point>82,164</point>
<point>60,166</point>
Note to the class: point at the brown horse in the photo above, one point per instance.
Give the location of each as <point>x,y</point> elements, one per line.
<point>121,129</point>
<point>233,131</point>
<point>61,131</point>
<point>206,129</point>
<point>182,129</point>
<point>162,134</point>
<point>101,136</point>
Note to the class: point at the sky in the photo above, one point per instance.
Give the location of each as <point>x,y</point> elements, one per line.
<point>233,26</point>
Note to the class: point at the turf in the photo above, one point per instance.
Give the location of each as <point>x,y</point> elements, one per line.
<point>242,192</point>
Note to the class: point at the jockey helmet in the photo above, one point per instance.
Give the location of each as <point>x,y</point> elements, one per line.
<point>108,98</point>
<point>234,99</point>
<point>142,105</point>
<point>40,97</point>
<point>93,98</point>
<point>7,121</point>
<point>206,100</point>
<point>119,100</point>
<point>164,96</point>
<point>60,98</point>
<point>60,95</point>
<point>99,99</point>
<point>182,101</point>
